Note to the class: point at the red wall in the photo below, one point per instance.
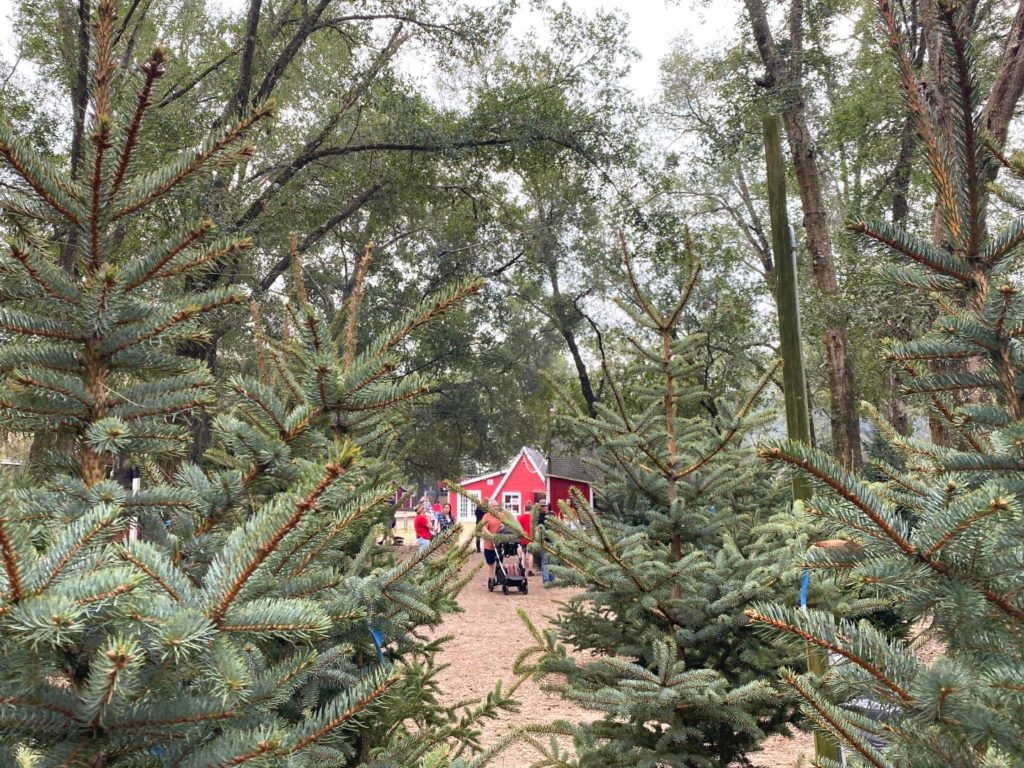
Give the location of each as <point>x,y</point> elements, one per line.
<point>485,493</point>
<point>560,491</point>
<point>525,480</point>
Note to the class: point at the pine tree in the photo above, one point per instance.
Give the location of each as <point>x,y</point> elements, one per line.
<point>692,532</point>
<point>253,620</point>
<point>941,539</point>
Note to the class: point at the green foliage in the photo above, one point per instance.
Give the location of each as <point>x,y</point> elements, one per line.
<point>236,628</point>
<point>690,534</point>
<point>938,534</point>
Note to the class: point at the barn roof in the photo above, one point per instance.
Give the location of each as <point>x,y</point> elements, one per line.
<point>537,458</point>
<point>571,468</point>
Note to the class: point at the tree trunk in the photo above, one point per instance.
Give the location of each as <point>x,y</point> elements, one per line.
<point>200,420</point>
<point>1008,85</point>
<point>785,80</point>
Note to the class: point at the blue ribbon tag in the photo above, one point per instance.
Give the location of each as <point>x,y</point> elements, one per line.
<point>378,643</point>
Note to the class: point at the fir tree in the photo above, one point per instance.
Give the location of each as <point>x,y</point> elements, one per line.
<point>253,621</point>
<point>688,539</point>
<point>942,538</point>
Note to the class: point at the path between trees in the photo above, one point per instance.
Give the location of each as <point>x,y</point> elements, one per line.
<point>488,635</point>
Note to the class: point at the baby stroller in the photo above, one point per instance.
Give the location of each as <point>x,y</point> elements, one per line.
<point>510,565</point>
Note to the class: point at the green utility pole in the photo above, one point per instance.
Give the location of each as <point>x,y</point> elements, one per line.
<point>798,413</point>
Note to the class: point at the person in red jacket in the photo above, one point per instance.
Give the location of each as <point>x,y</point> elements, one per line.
<point>525,521</point>
<point>421,525</point>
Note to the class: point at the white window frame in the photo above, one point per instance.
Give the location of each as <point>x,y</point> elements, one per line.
<point>506,501</point>
<point>466,507</point>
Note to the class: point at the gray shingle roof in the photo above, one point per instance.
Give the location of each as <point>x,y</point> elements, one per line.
<point>571,468</point>
<point>538,459</point>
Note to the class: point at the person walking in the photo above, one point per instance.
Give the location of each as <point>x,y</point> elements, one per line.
<point>542,519</point>
<point>525,520</point>
<point>478,513</point>
<point>421,525</point>
<point>491,523</point>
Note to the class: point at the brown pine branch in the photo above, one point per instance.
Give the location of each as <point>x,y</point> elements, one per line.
<point>8,153</point>
<point>964,84</point>
<point>11,565</point>
<point>940,171</point>
<point>875,672</point>
<point>198,232</point>
<point>23,258</point>
<point>331,473</point>
<point>947,414</point>
<point>152,70</point>
<point>23,379</point>
<point>641,297</point>
<point>438,309</point>
<point>862,228</point>
<point>346,715</point>
<point>995,507</point>
<point>774,454</point>
<point>177,318</point>
<point>126,553</point>
<point>198,160</point>
<point>104,69</point>
<point>253,397</point>
<point>235,246</point>
<point>298,284</point>
<point>794,683</point>
<point>336,530</point>
<point>96,530</point>
<point>355,299</point>
<point>744,409</point>
<point>261,360</point>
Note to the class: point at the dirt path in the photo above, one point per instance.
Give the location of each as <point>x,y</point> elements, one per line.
<point>486,638</point>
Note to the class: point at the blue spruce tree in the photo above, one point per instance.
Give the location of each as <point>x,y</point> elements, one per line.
<point>941,539</point>
<point>236,612</point>
<point>691,533</point>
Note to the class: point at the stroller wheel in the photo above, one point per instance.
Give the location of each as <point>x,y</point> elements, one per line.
<point>490,585</point>
<point>523,588</point>
<point>504,589</point>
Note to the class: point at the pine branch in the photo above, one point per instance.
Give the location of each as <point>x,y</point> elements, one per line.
<point>12,564</point>
<point>154,185</point>
<point>752,398</point>
<point>875,671</point>
<point>965,88</point>
<point>142,271</point>
<point>940,171</point>
<point>298,284</point>
<point>75,539</point>
<point>353,306</point>
<point>902,242</point>
<point>60,196</point>
<point>261,358</point>
<point>845,485</point>
<point>995,506</point>
<point>152,70</point>
<point>331,472</point>
<point>45,275</point>
<point>339,719</point>
<point>837,727</point>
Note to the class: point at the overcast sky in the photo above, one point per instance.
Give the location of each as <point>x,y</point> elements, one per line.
<point>654,24</point>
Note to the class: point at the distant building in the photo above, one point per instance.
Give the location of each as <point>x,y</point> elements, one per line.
<point>529,478</point>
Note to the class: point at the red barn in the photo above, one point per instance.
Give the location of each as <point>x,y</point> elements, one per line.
<point>525,480</point>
